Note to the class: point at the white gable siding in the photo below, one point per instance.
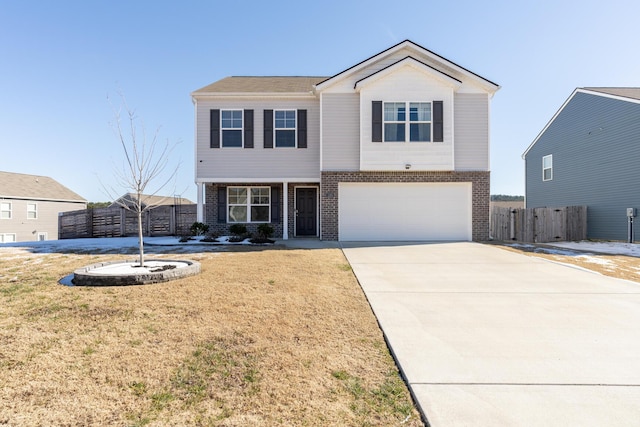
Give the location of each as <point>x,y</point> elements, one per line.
<point>471,118</point>
<point>406,85</point>
<point>258,162</point>
<point>347,84</point>
<point>340,132</point>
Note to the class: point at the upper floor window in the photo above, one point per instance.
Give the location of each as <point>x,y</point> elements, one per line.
<point>5,210</point>
<point>547,168</point>
<point>285,128</point>
<point>32,211</point>
<point>249,204</point>
<point>231,128</point>
<point>398,125</point>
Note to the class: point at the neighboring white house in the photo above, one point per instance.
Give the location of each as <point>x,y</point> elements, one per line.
<point>394,148</point>
<point>30,204</point>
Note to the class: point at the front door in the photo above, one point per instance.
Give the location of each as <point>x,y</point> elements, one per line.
<point>306,211</point>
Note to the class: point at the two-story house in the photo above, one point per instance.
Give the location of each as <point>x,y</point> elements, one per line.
<point>30,205</point>
<point>588,155</point>
<point>394,148</point>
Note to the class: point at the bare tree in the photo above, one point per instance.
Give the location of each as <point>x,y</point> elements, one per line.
<point>144,171</point>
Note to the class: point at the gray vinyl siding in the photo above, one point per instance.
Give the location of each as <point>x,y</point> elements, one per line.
<point>471,132</point>
<point>595,143</point>
<point>26,230</point>
<point>257,162</point>
<point>341,132</point>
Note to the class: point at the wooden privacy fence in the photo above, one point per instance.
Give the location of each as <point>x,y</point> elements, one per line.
<point>539,225</point>
<point>169,220</point>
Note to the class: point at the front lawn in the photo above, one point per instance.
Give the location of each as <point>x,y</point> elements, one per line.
<point>261,337</point>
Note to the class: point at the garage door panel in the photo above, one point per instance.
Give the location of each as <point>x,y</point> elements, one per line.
<point>404,211</point>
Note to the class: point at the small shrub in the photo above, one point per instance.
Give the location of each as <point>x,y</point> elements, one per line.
<point>199,228</point>
<point>265,231</point>
<point>238,229</point>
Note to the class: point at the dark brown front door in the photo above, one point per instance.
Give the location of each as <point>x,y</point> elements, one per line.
<point>306,211</point>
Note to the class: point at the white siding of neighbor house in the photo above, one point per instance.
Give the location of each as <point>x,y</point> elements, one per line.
<point>257,162</point>
<point>27,229</point>
<point>341,132</point>
<point>407,84</point>
<point>471,129</point>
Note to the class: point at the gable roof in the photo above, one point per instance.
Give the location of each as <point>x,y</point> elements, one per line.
<point>408,60</point>
<point>488,84</point>
<point>261,84</point>
<point>627,94</point>
<point>36,187</point>
<point>151,200</point>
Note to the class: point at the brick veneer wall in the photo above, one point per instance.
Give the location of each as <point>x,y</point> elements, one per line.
<point>480,195</point>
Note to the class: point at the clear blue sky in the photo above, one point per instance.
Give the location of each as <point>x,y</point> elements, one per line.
<point>60,60</point>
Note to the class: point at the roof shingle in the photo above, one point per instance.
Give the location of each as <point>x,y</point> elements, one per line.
<point>23,186</point>
<point>262,84</point>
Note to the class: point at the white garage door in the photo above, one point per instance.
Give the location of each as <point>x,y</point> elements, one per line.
<point>404,211</point>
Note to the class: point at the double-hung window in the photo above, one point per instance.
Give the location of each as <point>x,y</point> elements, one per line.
<point>285,128</point>
<point>398,125</point>
<point>547,168</point>
<point>32,211</point>
<point>7,237</point>
<point>231,128</point>
<point>249,204</point>
<point>5,210</point>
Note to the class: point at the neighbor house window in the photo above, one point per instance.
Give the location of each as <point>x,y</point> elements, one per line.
<point>285,128</point>
<point>5,210</point>
<point>249,204</point>
<point>7,238</point>
<point>547,168</point>
<point>398,125</point>
<point>231,128</point>
<point>32,211</point>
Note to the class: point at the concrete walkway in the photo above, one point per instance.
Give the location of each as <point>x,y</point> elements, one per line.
<point>487,337</point>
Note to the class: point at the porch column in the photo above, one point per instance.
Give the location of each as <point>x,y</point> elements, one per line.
<point>285,211</point>
<point>200,201</point>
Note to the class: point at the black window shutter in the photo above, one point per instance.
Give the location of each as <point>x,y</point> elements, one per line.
<point>275,204</point>
<point>302,128</point>
<point>248,128</point>
<point>214,119</point>
<point>438,122</point>
<point>222,204</point>
<point>376,121</point>
<point>268,128</point>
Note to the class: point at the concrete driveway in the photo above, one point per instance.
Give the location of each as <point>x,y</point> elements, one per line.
<point>487,337</point>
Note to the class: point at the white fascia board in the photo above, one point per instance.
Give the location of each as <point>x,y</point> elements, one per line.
<point>41,199</point>
<point>487,85</point>
<point>254,180</point>
<point>408,62</point>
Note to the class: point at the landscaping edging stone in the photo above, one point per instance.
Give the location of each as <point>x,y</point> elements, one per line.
<point>87,276</point>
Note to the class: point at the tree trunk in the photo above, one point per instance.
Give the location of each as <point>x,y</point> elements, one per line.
<point>140,241</point>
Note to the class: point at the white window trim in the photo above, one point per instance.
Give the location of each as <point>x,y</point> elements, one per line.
<point>3,238</point>
<point>241,129</point>
<point>248,205</point>
<point>407,121</point>
<point>35,210</point>
<point>294,129</point>
<point>550,168</point>
<point>42,234</point>
<point>10,210</point>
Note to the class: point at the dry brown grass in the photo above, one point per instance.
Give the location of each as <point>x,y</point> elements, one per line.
<point>620,266</point>
<point>267,337</point>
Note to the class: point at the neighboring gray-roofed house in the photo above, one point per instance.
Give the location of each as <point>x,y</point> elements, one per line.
<point>589,154</point>
<point>395,147</point>
<point>30,204</point>
<point>150,200</point>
